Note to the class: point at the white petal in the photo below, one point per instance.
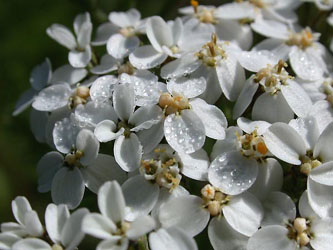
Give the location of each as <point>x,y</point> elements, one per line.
<point>104,32</point>
<point>159,33</point>
<point>249,126</point>
<point>308,129</point>
<point>305,65</point>
<point>195,165</point>
<point>185,132</point>
<point>146,57</point>
<point>297,98</point>
<point>98,226</point>
<point>232,172</point>
<point>323,174</point>
<point>171,238</point>
<point>52,98</point>
<point>245,97</point>
<point>140,196</point>
<point>104,131</point>
<point>269,179</point>
<point>185,213</point>
<point>279,209</point>
<point>24,101</point>
<point>41,75</point>
<point>128,152</point>
<point>244,213</point>
<point>124,101</point>
<point>323,147</point>
<point>145,117</point>
<point>189,87</point>
<point>182,66</point>
<point>223,237</point>
<point>275,46</point>
<point>104,168</point>
<point>62,35</point>
<point>87,143</point>
<point>47,167</point>
<point>271,29</point>
<point>305,209</point>
<point>7,240</point>
<point>235,11</point>
<point>55,219</point>
<point>125,19</point>
<point>285,143</point>
<point>115,243</point>
<point>231,77</point>
<point>33,225</point>
<point>212,117</point>
<point>273,238</point>
<point>120,46</point>
<point>107,64</point>
<point>31,244</point>
<point>20,206</point>
<point>102,88</point>
<point>79,22</point>
<point>67,187</point>
<point>141,226</point>
<point>320,198</point>
<point>111,201</point>
<point>38,121</point>
<point>68,74</point>
<point>72,234</point>
<point>80,59</point>
<point>323,234</point>
<point>84,34</point>
<point>150,138</point>
<point>272,108</point>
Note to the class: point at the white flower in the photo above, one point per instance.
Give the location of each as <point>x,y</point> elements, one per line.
<point>80,50</point>
<point>111,225</point>
<point>282,95</point>
<point>323,5</point>
<point>305,54</point>
<point>284,231</point>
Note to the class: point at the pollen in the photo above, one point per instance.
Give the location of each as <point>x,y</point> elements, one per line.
<point>261,148</point>
<point>303,39</point>
<point>172,104</point>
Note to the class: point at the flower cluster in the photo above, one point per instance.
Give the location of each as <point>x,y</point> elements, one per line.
<point>172,165</point>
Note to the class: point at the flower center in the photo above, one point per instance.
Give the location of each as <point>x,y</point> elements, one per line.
<point>299,230</point>
<point>127,68</point>
<point>127,31</point>
<point>164,171</point>
<point>80,96</point>
<point>127,128</point>
<point>212,52</point>
<point>57,247</point>
<point>173,104</point>
<point>122,228</point>
<point>271,78</point>
<point>303,39</point>
<point>204,15</point>
<point>309,163</point>
<point>213,199</point>
<point>252,145</point>
<point>73,159</point>
<point>327,88</point>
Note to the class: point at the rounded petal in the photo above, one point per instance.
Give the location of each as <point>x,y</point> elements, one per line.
<point>103,33</point>
<point>273,238</point>
<point>223,237</point>
<point>64,180</point>
<point>272,109</point>
<point>189,87</point>
<point>104,168</point>
<point>7,240</point>
<point>98,226</point>
<point>20,206</point>
<point>323,234</point>
<point>32,223</point>
<point>125,19</point>
<point>145,117</point>
<point>104,131</point>
<point>159,33</point>
<point>24,101</point>
<point>31,244</point>
<point>62,35</point>
<point>195,165</point>
<point>279,209</point>
<point>141,226</point>
<point>212,117</point>
<point>233,173</point>
<point>107,64</point>
<point>128,152</point>
<point>52,98</point>
<point>124,101</point>
<point>80,59</point>
<point>249,126</point>
<point>297,98</point>
<point>102,88</point>
<point>185,213</point>
<point>285,143</point>
<point>171,238</point>
<point>323,147</point>
<point>120,46</point>
<point>69,74</point>
<point>323,174</point>
<point>184,132</point>
<point>55,219</point>
<point>111,201</point>
<point>244,213</point>
<point>41,75</point>
<point>271,28</point>
<point>146,57</point>
<point>87,143</point>
<point>38,123</point>
<point>150,138</point>
<point>115,243</point>
<point>140,196</point>
<point>305,209</point>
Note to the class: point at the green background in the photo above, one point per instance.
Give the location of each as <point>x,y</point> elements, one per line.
<point>24,44</point>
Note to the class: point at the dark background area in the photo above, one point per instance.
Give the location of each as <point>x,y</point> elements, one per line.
<point>24,44</point>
